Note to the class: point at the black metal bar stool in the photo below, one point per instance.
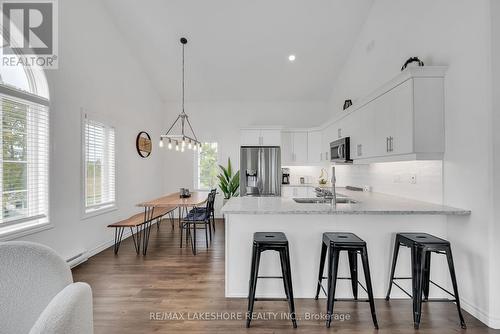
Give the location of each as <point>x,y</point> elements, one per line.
<point>422,245</point>
<point>276,241</point>
<point>335,243</point>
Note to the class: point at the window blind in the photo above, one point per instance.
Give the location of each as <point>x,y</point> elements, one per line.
<point>99,165</point>
<point>24,165</point>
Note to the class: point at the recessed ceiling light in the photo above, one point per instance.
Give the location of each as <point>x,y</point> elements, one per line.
<point>291,57</point>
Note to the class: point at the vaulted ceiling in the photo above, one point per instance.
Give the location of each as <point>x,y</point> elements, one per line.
<point>238,49</point>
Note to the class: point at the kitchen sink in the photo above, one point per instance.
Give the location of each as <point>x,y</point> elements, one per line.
<point>319,200</point>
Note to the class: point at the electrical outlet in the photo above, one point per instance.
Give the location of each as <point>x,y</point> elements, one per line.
<point>413,178</point>
<point>366,188</point>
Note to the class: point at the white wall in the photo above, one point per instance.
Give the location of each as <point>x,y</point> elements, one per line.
<point>495,233</point>
<point>221,122</point>
<point>96,73</point>
<point>454,33</point>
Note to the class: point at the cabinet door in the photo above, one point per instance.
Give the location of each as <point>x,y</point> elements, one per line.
<point>363,134</point>
<point>300,147</point>
<point>394,120</point>
<point>314,146</point>
<point>250,137</point>
<point>402,107</point>
<point>384,124</point>
<point>270,137</point>
<point>286,148</point>
<point>329,135</point>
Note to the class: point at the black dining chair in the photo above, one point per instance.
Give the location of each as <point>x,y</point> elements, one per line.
<point>211,209</point>
<point>194,219</point>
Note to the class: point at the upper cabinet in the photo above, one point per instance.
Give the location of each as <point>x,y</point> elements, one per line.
<point>260,137</point>
<point>294,147</point>
<point>314,147</point>
<point>402,120</point>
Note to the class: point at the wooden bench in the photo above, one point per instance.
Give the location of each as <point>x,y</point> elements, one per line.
<point>142,223</point>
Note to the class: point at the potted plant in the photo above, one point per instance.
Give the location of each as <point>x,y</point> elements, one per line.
<point>228,183</point>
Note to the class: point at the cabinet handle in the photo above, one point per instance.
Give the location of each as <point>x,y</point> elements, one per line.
<point>360,152</point>
<point>339,132</point>
<point>326,156</point>
<point>321,156</point>
<point>391,143</point>
<point>387,144</point>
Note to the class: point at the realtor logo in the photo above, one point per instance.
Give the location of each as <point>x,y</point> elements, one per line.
<point>29,33</point>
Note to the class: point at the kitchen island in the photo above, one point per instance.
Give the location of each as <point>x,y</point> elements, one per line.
<point>374,217</point>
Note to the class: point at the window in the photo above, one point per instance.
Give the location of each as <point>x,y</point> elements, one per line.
<point>99,166</point>
<point>25,133</point>
<point>206,167</point>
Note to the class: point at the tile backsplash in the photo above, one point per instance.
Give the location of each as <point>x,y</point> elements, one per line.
<point>419,180</point>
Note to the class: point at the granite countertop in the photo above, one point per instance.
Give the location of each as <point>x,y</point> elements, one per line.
<point>367,203</point>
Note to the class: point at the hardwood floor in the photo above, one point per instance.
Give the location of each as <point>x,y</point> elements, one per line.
<point>127,288</point>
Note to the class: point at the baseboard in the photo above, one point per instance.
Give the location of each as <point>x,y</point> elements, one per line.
<point>486,318</point>
<point>105,245</point>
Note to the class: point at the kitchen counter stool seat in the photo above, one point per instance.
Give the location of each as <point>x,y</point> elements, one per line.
<point>334,243</point>
<point>422,245</point>
<point>275,241</point>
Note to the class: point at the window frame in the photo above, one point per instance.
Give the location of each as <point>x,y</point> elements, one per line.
<point>85,213</point>
<point>16,228</point>
<point>196,165</point>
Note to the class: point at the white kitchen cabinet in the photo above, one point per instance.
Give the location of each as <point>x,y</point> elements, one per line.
<point>286,148</point>
<point>402,120</point>
<point>294,147</point>
<point>314,146</point>
<point>394,121</point>
<point>363,134</point>
<point>260,137</point>
<point>270,137</point>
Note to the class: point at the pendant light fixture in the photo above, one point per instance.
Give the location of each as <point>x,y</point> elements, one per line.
<point>181,139</point>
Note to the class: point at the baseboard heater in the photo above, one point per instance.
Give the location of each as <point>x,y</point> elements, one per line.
<point>77,259</point>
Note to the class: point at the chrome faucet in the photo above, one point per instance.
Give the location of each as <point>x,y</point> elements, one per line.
<point>329,194</point>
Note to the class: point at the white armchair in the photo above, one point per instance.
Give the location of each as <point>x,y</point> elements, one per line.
<point>37,293</point>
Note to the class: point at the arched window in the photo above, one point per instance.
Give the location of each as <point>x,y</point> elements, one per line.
<point>24,139</point>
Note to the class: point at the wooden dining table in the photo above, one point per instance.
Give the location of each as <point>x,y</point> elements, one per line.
<point>173,200</point>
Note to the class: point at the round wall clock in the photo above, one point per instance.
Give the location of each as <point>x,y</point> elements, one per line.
<point>143,144</point>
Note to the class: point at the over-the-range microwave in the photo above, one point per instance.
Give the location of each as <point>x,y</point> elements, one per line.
<point>340,151</point>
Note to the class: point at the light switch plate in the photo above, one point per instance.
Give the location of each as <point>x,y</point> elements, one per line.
<point>413,178</point>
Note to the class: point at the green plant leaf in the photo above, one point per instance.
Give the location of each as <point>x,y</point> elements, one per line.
<point>229,169</point>
<point>228,183</point>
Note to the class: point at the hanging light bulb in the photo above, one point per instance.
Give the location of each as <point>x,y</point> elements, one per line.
<point>183,141</point>
<point>182,148</point>
<point>176,145</point>
<point>161,143</point>
<point>169,144</point>
<point>195,146</point>
<point>189,145</point>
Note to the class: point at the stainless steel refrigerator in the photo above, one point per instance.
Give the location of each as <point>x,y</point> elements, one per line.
<point>260,171</point>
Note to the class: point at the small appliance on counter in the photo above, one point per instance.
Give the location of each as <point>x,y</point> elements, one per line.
<point>285,178</point>
<point>184,193</point>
